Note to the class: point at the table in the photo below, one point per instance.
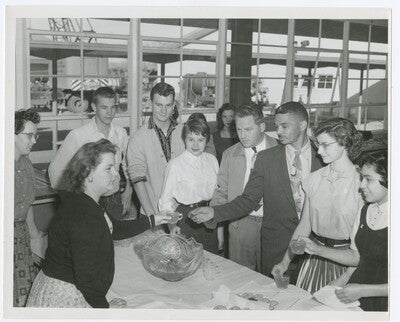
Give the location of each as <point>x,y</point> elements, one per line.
<point>142,290</point>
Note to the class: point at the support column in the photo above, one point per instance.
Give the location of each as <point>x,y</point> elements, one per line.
<point>385,111</point>
<point>309,83</point>
<point>134,75</point>
<point>221,63</point>
<point>345,70</point>
<point>22,57</point>
<point>54,80</point>
<point>290,61</point>
<point>360,98</point>
<point>239,92</point>
<point>162,72</point>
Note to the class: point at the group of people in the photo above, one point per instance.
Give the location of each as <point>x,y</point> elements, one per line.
<point>267,191</point>
<point>310,191</point>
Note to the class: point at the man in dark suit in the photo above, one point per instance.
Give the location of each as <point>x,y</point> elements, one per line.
<point>276,178</point>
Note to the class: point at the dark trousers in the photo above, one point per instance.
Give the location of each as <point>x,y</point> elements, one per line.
<point>203,235</point>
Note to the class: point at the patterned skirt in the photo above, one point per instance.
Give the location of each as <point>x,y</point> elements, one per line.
<point>317,272</point>
<point>51,292</point>
<point>24,269</point>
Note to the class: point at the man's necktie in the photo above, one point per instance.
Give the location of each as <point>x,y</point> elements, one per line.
<point>297,181</point>
<point>297,162</point>
<point>253,158</point>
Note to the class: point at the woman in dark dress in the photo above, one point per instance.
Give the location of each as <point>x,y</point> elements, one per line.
<point>367,279</point>
<point>225,136</point>
<point>78,268</point>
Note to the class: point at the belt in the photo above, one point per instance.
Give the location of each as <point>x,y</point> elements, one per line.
<point>329,241</point>
<point>202,203</point>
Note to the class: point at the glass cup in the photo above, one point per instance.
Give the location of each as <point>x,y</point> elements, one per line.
<point>175,217</point>
<point>281,281</point>
<point>298,246</point>
<point>210,269</point>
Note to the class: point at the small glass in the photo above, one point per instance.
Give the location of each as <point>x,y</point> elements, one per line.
<point>281,281</point>
<point>298,246</point>
<point>175,217</point>
<point>210,269</point>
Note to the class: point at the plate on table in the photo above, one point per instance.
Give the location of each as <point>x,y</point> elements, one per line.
<point>327,296</point>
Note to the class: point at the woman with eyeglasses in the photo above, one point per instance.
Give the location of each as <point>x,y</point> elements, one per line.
<point>331,204</point>
<point>25,270</point>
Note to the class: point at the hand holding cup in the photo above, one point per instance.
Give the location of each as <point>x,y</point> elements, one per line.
<point>298,246</point>
<point>175,217</point>
<point>281,280</point>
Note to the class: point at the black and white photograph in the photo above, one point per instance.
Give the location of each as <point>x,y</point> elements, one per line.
<point>198,163</point>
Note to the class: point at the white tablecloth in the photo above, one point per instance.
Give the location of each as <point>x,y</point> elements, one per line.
<point>142,290</point>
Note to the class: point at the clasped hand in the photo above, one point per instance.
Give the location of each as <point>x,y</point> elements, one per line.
<point>202,214</point>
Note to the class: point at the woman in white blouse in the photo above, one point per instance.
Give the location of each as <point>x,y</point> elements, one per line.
<point>190,180</point>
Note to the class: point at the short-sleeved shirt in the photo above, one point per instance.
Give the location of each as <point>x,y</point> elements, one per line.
<point>76,139</point>
<point>334,201</point>
<point>24,190</point>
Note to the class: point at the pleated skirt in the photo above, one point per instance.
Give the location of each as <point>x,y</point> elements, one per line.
<point>316,272</point>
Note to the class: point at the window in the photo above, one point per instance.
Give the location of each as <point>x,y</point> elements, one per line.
<point>69,59</point>
<point>296,80</point>
<point>325,81</point>
<point>181,52</point>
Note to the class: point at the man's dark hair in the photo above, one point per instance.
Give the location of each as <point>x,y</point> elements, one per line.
<point>104,92</point>
<point>295,108</point>
<point>162,89</point>
<point>250,110</point>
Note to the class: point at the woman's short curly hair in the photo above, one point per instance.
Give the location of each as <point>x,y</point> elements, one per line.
<point>24,115</point>
<point>84,161</point>
<point>344,132</point>
<point>220,124</point>
<point>378,163</point>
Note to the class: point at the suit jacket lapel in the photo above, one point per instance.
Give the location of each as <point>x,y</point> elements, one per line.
<point>284,174</point>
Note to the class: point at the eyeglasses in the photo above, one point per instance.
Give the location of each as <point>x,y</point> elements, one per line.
<point>32,135</point>
<point>323,145</point>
